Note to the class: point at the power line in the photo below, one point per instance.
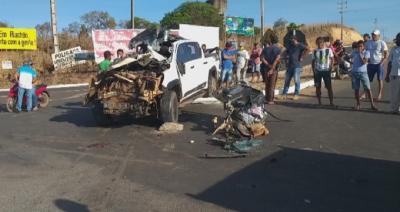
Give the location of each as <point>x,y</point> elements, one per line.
<point>342,7</point>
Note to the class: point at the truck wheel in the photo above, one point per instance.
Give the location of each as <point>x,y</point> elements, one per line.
<point>10,104</point>
<point>212,85</point>
<point>101,119</point>
<point>169,107</point>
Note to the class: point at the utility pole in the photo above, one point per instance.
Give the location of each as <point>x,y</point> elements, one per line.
<point>133,13</point>
<point>376,23</point>
<point>54,25</point>
<point>342,7</point>
<point>262,17</point>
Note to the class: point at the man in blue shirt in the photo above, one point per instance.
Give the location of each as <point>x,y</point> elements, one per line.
<point>295,54</point>
<point>359,74</point>
<point>228,57</point>
<point>25,75</point>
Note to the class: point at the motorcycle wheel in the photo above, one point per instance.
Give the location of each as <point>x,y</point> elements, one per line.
<point>10,104</point>
<point>44,100</point>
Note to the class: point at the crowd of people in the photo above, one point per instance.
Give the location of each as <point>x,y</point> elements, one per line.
<point>369,58</point>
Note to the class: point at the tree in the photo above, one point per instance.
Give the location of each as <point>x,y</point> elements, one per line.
<point>280,23</point>
<point>197,13</point>
<point>73,28</point>
<point>98,20</point>
<point>43,30</point>
<point>140,23</point>
<point>4,24</point>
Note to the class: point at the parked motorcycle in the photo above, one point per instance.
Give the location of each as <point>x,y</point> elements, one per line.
<point>342,67</point>
<point>41,92</point>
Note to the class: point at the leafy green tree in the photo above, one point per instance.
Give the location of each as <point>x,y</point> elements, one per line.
<point>197,13</point>
<point>140,23</point>
<point>98,20</point>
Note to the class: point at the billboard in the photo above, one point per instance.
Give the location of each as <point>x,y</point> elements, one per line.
<point>239,26</point>
<point>66,59</point>
<point>18,39</point>
<point>112,40</point>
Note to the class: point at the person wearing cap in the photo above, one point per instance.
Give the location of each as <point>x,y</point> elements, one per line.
<point>393,76</point>
<point>228,57</point>
<point>379,52</point>
<point>242,58</point>
<point>106,63</point>
<point>295,55</point>
<point>25,76</point>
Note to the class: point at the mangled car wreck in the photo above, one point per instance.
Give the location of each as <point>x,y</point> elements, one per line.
<point>165,72</point>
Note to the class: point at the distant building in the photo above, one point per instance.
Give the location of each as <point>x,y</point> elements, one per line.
<point>221,5</point>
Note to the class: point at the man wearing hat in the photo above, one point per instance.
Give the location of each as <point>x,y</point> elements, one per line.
<point>393,76</point>
<point>378,51</point>
<point>25,76</point>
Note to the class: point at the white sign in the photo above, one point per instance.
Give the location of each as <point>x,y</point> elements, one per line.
<point>112,40</point>
<point>6,65</point>
<point>202,34</point>
<point>66,59</point>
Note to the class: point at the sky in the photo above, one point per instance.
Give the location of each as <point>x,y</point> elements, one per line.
<point>360,13</point>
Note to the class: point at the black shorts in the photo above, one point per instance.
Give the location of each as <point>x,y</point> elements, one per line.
<point>326,75</point>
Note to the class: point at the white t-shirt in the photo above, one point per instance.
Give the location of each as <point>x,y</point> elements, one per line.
<point>394,57</point>
<point>26,75</point>
<point>376,49</point>
<point>322,59</point>
<point>243,55</point>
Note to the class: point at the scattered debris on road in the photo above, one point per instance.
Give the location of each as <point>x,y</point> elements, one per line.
<point>245,119</point>
<point>171,127</point>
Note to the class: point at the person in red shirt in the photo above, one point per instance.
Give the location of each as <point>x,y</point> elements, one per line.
<point>256,62</point>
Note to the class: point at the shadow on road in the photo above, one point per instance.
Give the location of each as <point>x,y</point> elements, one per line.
<point>202,121</point>
<point>80,116</point>
<point>70,206</point>
<point>300,180</point>
<point>327,107</point>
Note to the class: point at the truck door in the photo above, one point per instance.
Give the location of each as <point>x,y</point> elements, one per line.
<point>190,63</point>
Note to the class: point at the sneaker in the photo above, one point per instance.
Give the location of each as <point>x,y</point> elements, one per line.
<point>296,97</point>
<point>35,109</point>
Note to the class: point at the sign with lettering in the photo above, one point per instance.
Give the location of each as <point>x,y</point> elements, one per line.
<point>112,40</point>
<point>18,39</point>
<point>6,65</point>
<point>66,59</point>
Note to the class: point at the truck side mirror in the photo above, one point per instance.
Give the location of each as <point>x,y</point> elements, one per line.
<point>181,68</point>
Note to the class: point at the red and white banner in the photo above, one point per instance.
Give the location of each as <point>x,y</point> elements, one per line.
<point>112,40</point>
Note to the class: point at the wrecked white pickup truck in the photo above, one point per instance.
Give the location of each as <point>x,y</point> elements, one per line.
<point>166,72</point>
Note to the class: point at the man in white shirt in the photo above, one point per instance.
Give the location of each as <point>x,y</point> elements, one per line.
<point>242,58</point>
<point>322,65</point>
<point>25,75</point>
<point>393,76</point>
<point>378,51</point>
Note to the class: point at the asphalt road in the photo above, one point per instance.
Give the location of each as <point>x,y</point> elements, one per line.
<point>324,159</point>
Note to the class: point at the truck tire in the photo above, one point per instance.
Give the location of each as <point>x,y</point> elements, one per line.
<point>169,107</point>
<point>212,85</point>
<point>101,119</point>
